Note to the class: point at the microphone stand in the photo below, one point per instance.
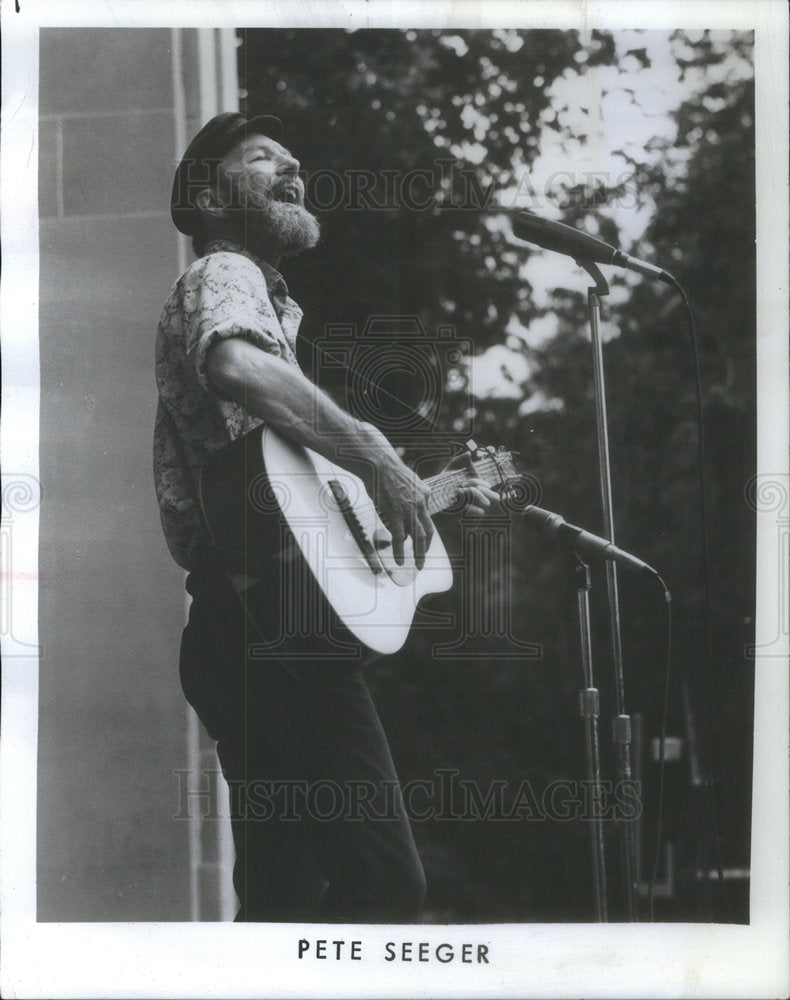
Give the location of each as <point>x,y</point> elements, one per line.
<point>621,723</point>
<point>589,703</point>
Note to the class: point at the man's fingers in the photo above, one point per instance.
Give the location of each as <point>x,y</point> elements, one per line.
<point>398,535</point>
<point>482,487</point>
<point>428,528</point>
<point>418,536</point>
<point>403,507</point>
<point>478,497</point>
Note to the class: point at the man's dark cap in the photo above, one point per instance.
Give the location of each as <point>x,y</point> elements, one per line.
<point>198,166</point>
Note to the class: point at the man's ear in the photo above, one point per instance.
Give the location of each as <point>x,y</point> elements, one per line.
<point>208,202</point>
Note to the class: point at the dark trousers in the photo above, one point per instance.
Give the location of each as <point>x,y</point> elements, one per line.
<point>318,820</point>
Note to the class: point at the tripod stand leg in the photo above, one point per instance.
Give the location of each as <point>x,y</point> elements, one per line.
<point>621,726</point>
<point>589,702</point>
<point>589,707</point>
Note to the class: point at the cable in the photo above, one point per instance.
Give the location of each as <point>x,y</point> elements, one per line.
<point>662,747</point>
<point>706,576</point>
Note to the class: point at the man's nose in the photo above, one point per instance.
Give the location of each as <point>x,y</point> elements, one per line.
<point>289,164</point>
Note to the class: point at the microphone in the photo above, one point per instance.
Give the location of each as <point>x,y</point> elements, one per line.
<point>583,541</point>
<point>579,245</point>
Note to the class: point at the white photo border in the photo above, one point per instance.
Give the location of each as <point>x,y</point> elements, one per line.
<point>243,960</point>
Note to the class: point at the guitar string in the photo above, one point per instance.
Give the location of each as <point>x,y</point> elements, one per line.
<point>445,486</point>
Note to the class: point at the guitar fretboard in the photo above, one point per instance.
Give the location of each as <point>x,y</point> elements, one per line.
<point>446,486</point>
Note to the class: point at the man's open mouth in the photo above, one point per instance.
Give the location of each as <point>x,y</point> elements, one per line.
<point>291,194</point>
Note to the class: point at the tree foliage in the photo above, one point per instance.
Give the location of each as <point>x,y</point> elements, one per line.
<point>409,140</point>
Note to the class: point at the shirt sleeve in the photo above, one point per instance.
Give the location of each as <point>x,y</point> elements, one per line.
<point>225,295</point>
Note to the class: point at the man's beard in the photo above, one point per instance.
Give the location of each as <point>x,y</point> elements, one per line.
<point>292,226</point>
<point>269,218</point>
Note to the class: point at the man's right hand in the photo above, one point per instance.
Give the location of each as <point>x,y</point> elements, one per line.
<point>401,499</point>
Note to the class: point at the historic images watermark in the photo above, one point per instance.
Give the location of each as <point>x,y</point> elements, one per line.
<point>444,796</point>
<point>389,350</point>
<point>450,185</point>
<point>768,495</point>
<point>21,497</point>
<point>446,184</point>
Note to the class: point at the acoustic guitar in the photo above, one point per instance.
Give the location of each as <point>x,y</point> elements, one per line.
<point>267,502</point>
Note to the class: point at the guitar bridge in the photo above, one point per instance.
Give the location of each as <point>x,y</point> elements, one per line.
<point>354,526</point>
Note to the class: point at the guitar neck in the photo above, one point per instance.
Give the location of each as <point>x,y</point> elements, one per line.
<point>445,489</point>
<point>446,486</point>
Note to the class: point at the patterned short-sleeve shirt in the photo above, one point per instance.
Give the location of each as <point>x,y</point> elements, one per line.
<point>227,293</point>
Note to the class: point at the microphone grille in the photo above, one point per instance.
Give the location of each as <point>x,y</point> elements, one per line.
<point>542,519</point>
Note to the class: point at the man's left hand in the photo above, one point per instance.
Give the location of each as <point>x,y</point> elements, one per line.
<point>477,498</point>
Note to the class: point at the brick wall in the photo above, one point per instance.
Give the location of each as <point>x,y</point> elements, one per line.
<point>112,716</point>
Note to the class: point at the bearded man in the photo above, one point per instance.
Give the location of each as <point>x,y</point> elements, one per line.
<point>226,363</point>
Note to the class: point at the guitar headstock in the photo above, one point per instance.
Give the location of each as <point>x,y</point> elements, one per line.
<point>497,468</point>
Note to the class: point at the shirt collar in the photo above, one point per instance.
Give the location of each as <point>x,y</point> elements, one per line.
<point>275,282</point>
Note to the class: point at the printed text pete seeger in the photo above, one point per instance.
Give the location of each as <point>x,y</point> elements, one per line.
<point>401,951</point>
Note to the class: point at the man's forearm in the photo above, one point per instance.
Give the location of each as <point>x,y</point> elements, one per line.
<point>279,394</point>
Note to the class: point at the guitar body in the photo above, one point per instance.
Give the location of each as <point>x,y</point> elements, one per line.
<point>267,503</point>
